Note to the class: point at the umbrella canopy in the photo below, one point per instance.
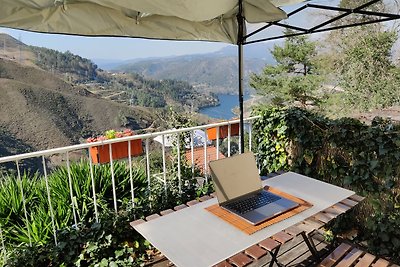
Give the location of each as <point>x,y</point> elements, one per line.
<point>208,20</point>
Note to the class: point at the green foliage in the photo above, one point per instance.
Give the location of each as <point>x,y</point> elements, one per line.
<point>271,139</point>
<point>38,226</point>
<point>152,93</point>
<point>135,89</point>
<point>344,152</point>
<point>67,62</point>
<point>111,242</point>
<point>368,75</point>
<point>295,77</point>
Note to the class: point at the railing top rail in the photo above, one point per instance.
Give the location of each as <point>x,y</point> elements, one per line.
<point>66,149</point>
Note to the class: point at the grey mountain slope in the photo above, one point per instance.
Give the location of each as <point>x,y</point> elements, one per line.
<point>40,111</point>
<point>217,72</point>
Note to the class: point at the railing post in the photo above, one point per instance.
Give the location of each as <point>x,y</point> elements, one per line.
<point>113,179</point>
<point>49,199</point>
<point>217,156</point>
<point>192,150</point>
<point>131,173</point>
<point>23,201</point>
<point>179,164</point>
<point>148,166</point>
<point>250,133</point>
<point>205,159</point>
<point>164,166</point>
<point>93,187</point>
<point>71,191</point>
<point>229,140</point>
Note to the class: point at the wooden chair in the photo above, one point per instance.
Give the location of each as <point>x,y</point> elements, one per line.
<point>346,255</point>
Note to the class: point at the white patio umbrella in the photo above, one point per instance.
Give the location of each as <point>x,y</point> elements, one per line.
<point>208,20</point>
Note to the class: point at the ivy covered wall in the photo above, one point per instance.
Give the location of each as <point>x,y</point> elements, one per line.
<point>344,152</point>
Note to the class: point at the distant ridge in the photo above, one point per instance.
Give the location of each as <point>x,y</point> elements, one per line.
<point>216,72</point>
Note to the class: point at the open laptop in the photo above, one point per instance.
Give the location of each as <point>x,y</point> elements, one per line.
<point>239,190</point>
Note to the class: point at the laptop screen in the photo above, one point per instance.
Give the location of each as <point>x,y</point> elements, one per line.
<point>235,176</point>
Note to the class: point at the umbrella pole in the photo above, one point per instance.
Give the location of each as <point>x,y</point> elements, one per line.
<point>240,59</point>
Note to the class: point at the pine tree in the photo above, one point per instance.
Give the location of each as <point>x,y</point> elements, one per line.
<point>295,77</point>
<point>361,59</point>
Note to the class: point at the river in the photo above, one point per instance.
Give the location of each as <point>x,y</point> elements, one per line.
<point>224,110</point>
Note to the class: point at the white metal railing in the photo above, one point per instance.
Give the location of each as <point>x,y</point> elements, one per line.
<point>144,137</point>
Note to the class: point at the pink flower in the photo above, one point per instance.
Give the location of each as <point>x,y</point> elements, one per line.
<point>101,138</point>
<point>128,132</point>
<point>111,134</point>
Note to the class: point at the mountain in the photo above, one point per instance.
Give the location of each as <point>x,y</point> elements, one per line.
<point>50,99</point>
<point>41,111</point>
<point>216,72</point>
<point>131,89</point>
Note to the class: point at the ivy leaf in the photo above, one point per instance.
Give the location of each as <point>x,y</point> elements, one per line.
<point>347,180</point>
<point>104,262</point>
<point>373,164</point>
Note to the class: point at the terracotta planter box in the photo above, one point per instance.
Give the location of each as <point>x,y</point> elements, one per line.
<point>101,154</point>
<point>223,131</point>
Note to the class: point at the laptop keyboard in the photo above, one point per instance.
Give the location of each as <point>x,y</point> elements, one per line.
<point>251,203</point>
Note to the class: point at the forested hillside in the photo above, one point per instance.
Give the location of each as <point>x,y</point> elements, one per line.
<point>132,89</point>
<point>214,72</point>
<point>81,69</point>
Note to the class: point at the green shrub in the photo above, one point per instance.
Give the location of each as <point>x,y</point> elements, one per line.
<point>39,225</point>
<point>109,242</point>
<point>344,152</point>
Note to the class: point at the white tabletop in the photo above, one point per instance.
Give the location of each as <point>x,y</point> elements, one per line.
<point>194,237</point>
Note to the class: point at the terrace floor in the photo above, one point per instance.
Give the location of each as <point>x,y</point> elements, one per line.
<point>293,253</point>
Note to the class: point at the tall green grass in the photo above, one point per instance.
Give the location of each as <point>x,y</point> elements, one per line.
<point>37,228</point>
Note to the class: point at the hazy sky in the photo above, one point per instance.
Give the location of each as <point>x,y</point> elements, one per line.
<point>112,48</point>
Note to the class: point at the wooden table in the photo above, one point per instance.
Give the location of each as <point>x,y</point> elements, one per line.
<point>194,237</point>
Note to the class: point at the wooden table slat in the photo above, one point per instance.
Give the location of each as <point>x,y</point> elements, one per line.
<point>335,256</point>
<point>282,237</point>
<point>334,211</point>
<point>269,244</point>
<point>350,258</point>
<point>314,222</point>
<point>323,217</point>
<point>223,264</point>
<point>179,207</point>
<point>240,260</point>
<point>256,252</point>
<point>193,202</point>
<point>381,263</point>
<point>152,217</point>
<point>341,207</point>
<point>294,230</point>
<point>308,228</point>
<point>165,212</point>
<point>357,198</point>
<point>366,260</point>
<point>349,202</point>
